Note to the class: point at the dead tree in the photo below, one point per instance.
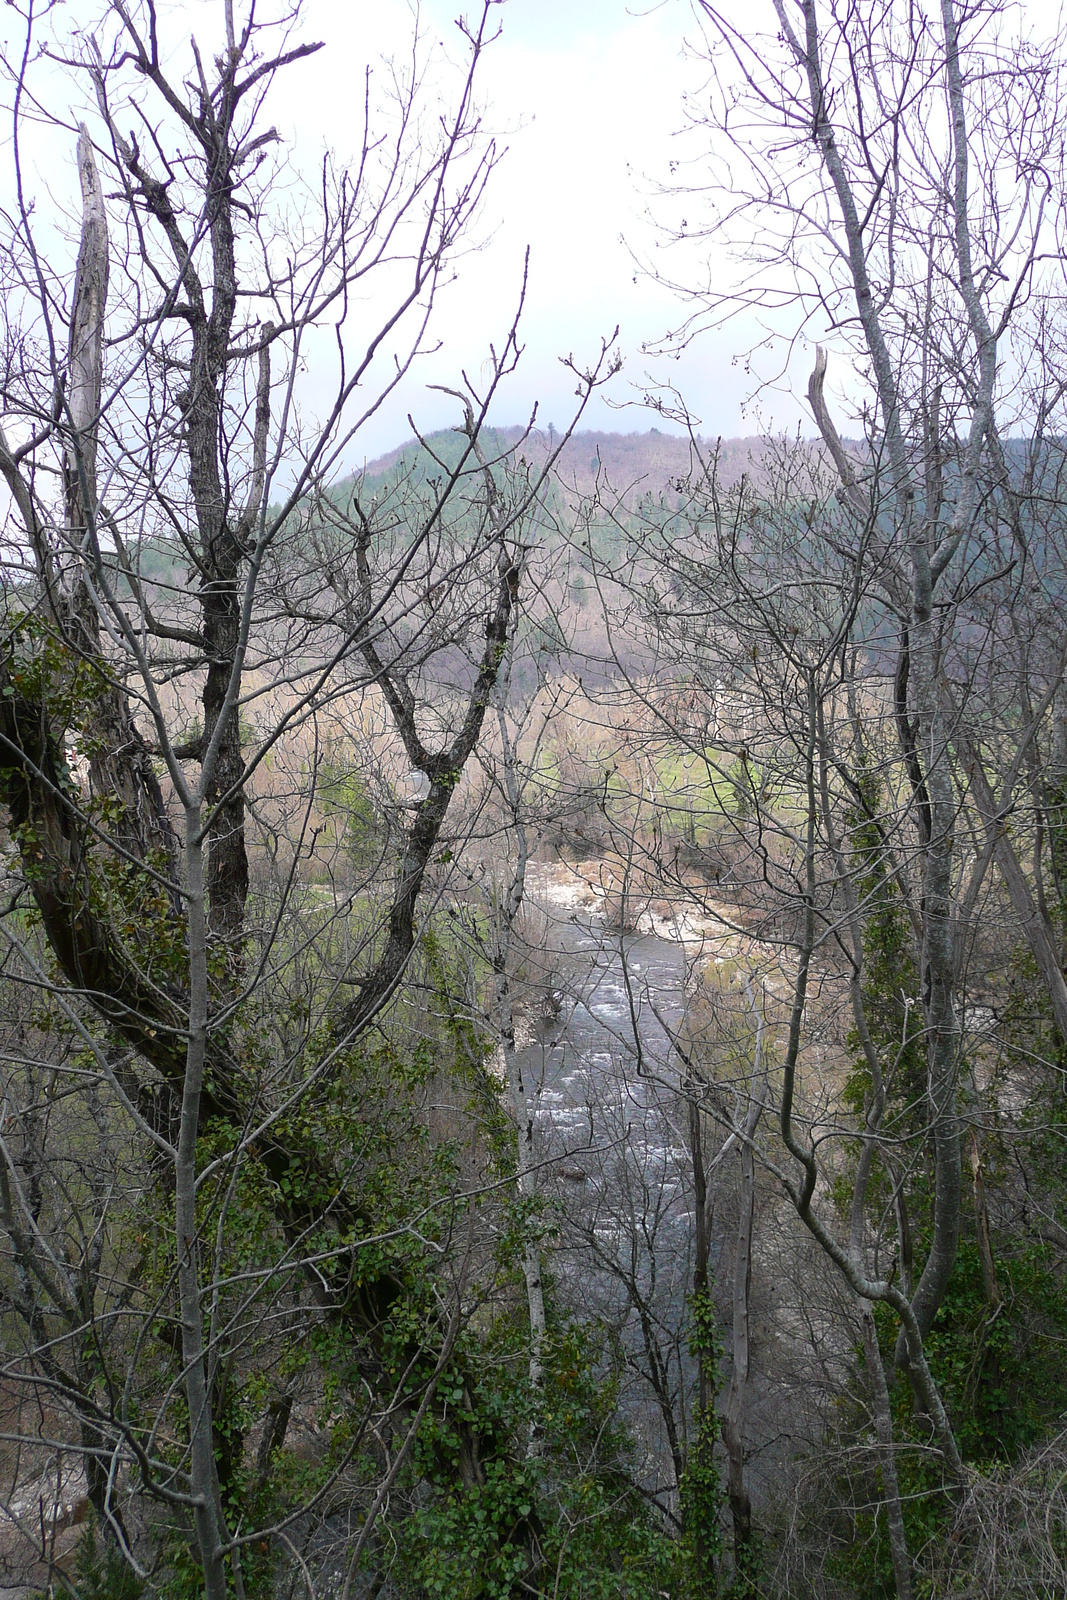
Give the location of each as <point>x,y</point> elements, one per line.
<point>170,417</point>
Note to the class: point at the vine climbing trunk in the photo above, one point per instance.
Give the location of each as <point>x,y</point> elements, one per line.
<point>700,1482</point>
<point>733,1411</point>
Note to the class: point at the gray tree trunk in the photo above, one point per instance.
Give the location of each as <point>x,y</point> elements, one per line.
<point>733,1411</point>
<point>883,1425</point>
<point>203,1474</point>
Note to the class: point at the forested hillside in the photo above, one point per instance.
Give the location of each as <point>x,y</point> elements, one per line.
<point>533,974</point>
<point>629,464</point>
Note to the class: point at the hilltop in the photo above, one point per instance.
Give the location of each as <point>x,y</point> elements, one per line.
<point>627,464</point>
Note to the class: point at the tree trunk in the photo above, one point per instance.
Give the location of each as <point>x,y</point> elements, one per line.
<point>203,1475</point>
<point>523,1112</point>
<point>740,1501</point>
<point>522,1103</point>
<point>938,966</point>
<point>699,1507</point>
<point>883,1425</point>
<point>990,1287</point>
<point>1044,945</point>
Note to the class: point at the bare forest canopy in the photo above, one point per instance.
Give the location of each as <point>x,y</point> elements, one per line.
<point>628,464</point>
<point>533,976</point>
<point>621,468</point>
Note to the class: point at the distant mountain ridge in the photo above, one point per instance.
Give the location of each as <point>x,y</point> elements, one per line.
<point>631,466</point>
<point>627,463</point>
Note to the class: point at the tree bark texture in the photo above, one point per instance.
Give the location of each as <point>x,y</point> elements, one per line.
<point>733,1411</point>
<point>883,1425</point>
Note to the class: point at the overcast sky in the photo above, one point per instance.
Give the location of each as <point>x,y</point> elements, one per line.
<point>587,97</point>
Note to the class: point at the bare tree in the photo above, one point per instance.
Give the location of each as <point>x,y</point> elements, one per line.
<point>768,598</point>
<point>194,594</point>
<point>870,625</point>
